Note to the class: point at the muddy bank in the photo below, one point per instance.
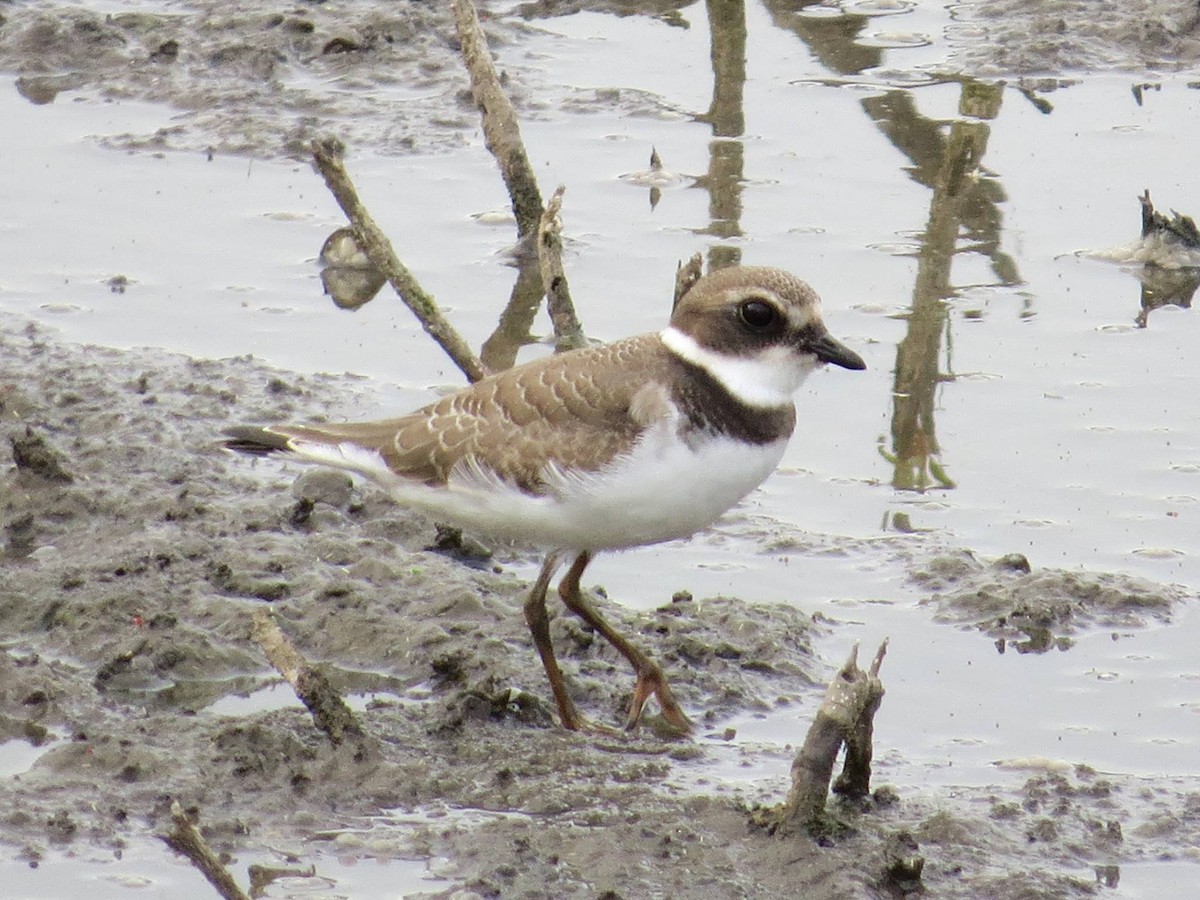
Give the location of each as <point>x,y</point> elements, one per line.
<point>1025,37</point>
<point>266,81</point>
<point>254,80</point>
<point>135,553</point>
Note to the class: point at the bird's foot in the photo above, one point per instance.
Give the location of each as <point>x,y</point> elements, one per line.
<point>652,683</point>
<point>576,721</point>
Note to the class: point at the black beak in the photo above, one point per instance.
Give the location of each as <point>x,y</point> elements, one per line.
<point>829,349</point>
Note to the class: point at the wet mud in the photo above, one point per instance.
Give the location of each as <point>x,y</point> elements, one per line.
<point>1035,611</point>
<point>135,553</point>
<point>255,79</point>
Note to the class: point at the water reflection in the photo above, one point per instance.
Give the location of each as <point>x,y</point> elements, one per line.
<point>351,281</point>
<point>1165,287</point>
<point>1169,245</point>
<point>515,328</point>
<point>347,275</point>
<point>726,115</point>
<point>832,39</point>
<point>964,213</point>
<point>962,203</point>
<point>1165,259</point>
<point>667,11</point>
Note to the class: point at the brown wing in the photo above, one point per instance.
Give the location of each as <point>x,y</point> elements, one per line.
<point>576,409</point>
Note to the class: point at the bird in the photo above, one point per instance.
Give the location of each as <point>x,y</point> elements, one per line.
<point>607,447</point>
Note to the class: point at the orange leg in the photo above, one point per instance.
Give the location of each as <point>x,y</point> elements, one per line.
<point>650,678</point>
<point>539,626</point>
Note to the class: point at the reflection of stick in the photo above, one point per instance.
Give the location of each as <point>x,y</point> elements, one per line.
<point>261,877</point>
<point>327,152</point>
<point>567,329</point>
<point>501,130</point>
<point>512,332</point>
<point>187,840</point>
<point>330,713</point>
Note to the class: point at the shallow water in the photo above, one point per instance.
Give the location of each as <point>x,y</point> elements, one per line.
<point>1012,401</point>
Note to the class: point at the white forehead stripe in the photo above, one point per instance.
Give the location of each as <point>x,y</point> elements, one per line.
<point>768,379</point>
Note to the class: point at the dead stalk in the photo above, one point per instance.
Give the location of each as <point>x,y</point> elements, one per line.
<point>567,330</point>
<point>329,711</point>
<point>187,840</point>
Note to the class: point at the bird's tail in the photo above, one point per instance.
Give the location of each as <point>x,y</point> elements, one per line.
<point>256,440</point>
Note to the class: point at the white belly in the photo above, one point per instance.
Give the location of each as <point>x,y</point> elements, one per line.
<point>662,491</point>
<point>661,496</point>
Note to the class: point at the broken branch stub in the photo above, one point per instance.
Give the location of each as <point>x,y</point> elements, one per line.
<point>502,134</point>
<point>186,840</point>
<point>329,711</point>
<point>567,330</point>
<point>686,275</point>
<point>855,780</point>
<point>845,717</point>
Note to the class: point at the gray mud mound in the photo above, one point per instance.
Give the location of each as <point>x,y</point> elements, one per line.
<point>1038,610</point>
<point>1025,37</point>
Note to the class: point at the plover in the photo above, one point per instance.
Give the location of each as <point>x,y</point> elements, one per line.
<point>643,440</point>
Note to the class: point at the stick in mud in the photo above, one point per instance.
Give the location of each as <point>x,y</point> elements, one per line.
<point>846,716</point>
<point>328,155</point>
<point>686,275</point>
<point>502,135</point>
<point>855,780</point>
<point>187,840</point>
<point>329,711</point>
<point>567,330</point>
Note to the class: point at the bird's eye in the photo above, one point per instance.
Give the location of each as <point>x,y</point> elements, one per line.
<point>757,314</point>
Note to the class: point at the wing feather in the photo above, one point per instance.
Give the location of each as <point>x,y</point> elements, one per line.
<point>520,425</point>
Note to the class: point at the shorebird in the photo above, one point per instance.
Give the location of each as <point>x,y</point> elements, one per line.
<point>643,440</point>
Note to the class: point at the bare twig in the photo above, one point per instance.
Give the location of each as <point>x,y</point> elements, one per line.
<point>330,713</point>
<point>502,133</point>
<point>327,153</point>
<point>845,716</point>
<point>855,780</point>
<point>686,275</point>
<point>187,840</point>
<point>501,130</point>
<point>852,695</point>
<point>567,330</point>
